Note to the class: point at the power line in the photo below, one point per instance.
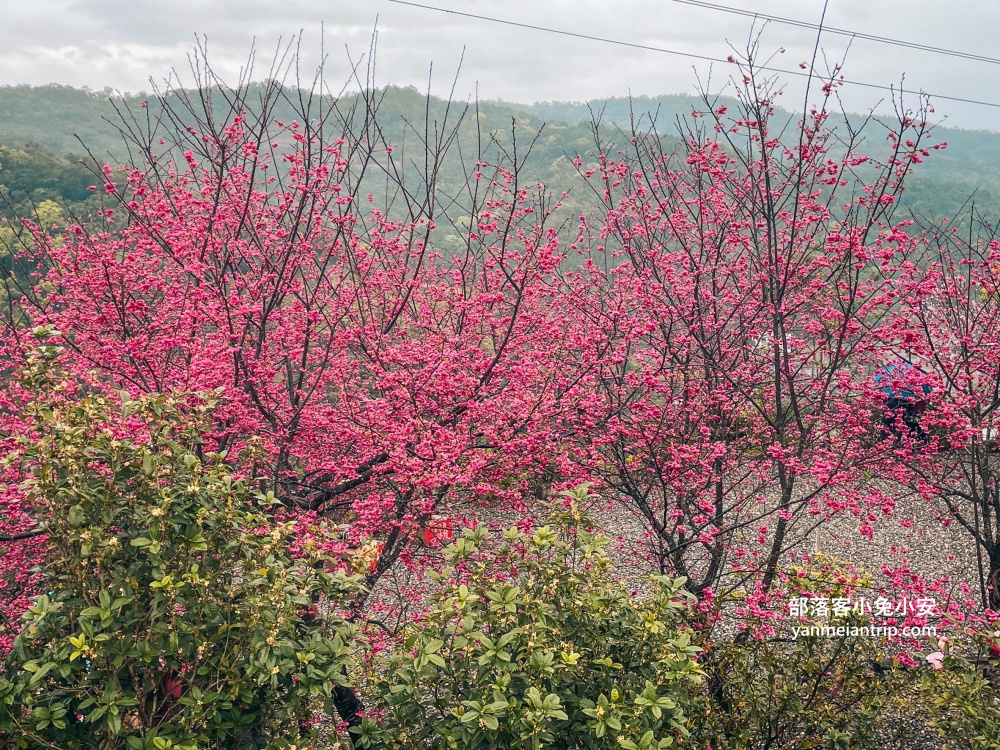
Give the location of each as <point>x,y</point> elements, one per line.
<point>663,50</point>
<point>842,32</point>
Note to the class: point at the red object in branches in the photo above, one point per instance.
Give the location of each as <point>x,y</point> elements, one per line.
<point>438,532</point>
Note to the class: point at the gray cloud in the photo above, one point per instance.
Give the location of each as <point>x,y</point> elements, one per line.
<point>124,43</point>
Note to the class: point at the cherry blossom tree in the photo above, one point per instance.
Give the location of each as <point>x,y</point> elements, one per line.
<point>383,349</point>
<point>948,322</point>
<point>755,264</point>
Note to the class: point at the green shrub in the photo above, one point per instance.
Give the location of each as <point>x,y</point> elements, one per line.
<point>175,616</point>
<point>960,703</point>
<point>532,644</point>
<point>768,689</point>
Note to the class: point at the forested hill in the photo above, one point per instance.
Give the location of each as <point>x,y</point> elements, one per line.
<point>941,186</point>
<point>63,122</point>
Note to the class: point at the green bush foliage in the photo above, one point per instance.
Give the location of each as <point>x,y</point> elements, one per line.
<point>175,616</point>
<point>961,700</point>
<point>768,689</point>
<point>531,643</point>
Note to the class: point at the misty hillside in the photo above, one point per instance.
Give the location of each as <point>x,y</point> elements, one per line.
<point>64,123</point>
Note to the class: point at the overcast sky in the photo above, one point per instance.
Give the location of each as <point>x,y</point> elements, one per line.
<point>125,43</point>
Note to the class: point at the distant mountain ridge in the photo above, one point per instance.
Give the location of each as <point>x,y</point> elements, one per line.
<point>65,120</point>
<point>941,185</point>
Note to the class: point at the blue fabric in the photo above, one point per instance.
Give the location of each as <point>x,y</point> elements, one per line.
<point>892,378</point>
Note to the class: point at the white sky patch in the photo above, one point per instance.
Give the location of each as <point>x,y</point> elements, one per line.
<point>125,43</point>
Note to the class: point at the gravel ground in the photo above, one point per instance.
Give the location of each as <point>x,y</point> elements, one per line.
<point>926,547</point>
